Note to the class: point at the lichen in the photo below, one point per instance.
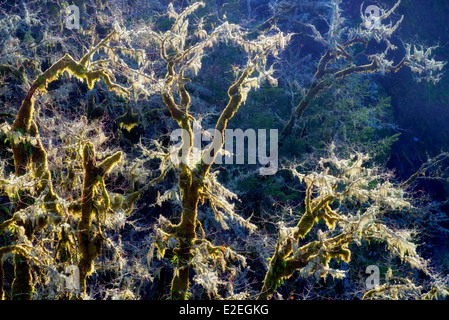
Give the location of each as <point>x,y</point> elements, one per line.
<point>90,240</point>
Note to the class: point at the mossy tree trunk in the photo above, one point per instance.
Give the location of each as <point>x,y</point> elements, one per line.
<point>90,240</point>
<point>32,156</point>
<point>286,259</point>
<point>282,264</point>
<point>26,279</point>
<point>191,180</point>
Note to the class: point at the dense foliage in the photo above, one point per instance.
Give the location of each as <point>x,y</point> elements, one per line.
<point>99,201</point>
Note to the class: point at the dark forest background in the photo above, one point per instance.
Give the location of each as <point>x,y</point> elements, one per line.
<point>401,122</point>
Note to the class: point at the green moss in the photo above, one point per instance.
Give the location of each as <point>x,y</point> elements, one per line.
<point>22,286</point>
<point>89,240</point>
<point>2,275</point>
<point>341,253</point>
<point>128,120</point>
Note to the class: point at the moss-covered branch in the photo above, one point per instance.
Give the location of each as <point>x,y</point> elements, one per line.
<point>19,250</point>
<point>89,239</point>
<point>43,177</point>
<point>424,168</point>
<point>235,100</point>
<point>74,68</point>
<point>27,154</point>
<point>281,264</point>
<point>321,82</point>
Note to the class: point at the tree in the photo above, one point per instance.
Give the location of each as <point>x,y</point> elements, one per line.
<point>353,200</point>
<point>336,63</point>
<point>338,43</point>
<point>182,52</point>
<point>30,160</point>
<point>72,209</point>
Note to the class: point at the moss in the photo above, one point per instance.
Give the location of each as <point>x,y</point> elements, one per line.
<point>26,153</point>
<point>89,240</point>
<point>180,283</point>
<point>65,246</point>
<point>106,165</point>
<point>2,275</point>
<point>185,235</point>
<point>117,201</point>
<point>128,120</point>
<point>22,286</point>
<point>104,194</point>
<point>43,176</point>
<point>341,253</point>
<point>130,199</point>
